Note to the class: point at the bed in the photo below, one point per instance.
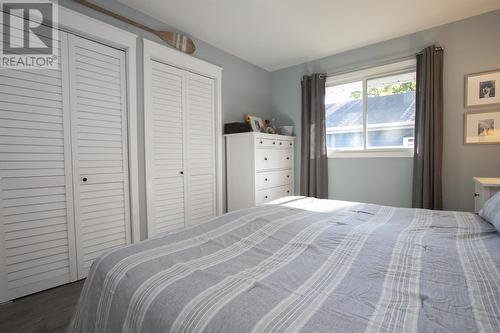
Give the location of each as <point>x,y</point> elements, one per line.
<point>303,265</point>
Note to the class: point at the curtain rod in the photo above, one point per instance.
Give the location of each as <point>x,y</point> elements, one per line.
<point>437,49</point>
<point>376,64</point>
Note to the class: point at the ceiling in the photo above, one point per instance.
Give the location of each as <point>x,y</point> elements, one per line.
<point>275,34</point>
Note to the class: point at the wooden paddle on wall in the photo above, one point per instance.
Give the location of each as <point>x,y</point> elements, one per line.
<point>176,40</point>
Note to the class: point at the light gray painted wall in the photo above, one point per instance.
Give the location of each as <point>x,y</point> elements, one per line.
<point>471,46</point>
<point>246,88</point>
<point>385,181</point>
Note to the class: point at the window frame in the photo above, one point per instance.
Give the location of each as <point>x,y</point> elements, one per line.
<point>364,75</point>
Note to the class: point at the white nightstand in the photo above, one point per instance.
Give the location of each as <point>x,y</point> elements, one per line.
<point>485,188</point>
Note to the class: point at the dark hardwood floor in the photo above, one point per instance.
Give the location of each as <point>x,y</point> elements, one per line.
<point>46,311</point>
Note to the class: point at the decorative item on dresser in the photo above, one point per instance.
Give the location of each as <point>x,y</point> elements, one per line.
<point>259,168</point>
<point>255,123</point>
<point>286,130</point>
<point>232,128</point>
<point>485,188</point>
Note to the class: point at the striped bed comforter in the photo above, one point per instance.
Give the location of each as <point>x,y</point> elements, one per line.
<point>303,265</point>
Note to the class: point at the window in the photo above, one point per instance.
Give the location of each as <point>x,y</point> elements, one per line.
<point>372,111</point>
<point>344,116</point>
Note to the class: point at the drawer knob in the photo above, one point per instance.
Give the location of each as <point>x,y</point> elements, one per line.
<point>288,158</point>
<point>476,194</point>
<point>281,143</point>
<point>274,142</point>
<point>288,191</point>
<point>265,158</point>
<point>287,176</point>
<point>265,179</point>
<point>181,172</point>
<point>290,143</point>
<point>265,197</point>
<point>261,142</point>
<point>84,179</point>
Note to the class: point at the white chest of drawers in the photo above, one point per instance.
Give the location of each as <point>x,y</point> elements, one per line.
<point>259,168</point>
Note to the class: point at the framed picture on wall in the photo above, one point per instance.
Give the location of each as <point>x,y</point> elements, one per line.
<point>482,127</point>
<point>481,89</point>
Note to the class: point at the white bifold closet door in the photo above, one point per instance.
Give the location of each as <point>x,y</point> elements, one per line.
<point>36,197</point>
<point>165,149</point>
<point>180,148</point>
<point>99,147</point>
<point>200,156</point>
<point>58,127</point>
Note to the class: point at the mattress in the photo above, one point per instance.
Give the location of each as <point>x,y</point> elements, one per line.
<point>303,265</point>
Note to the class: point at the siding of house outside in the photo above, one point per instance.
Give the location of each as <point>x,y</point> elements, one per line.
<point>391,119</point>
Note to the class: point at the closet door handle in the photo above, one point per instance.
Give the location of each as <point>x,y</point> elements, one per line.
<point>84,179</point>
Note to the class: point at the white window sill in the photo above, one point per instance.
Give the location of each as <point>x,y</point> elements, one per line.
<point>392,153</point>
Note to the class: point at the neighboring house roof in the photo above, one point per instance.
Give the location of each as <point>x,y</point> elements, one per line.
<point>382,109</point>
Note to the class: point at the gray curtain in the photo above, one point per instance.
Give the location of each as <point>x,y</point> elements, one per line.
<point>427,173</point>
<point>313,161</point>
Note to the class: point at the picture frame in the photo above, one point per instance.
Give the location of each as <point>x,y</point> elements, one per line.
<point>482,89</point>
<point>482,127</point>
<point>256,123</point>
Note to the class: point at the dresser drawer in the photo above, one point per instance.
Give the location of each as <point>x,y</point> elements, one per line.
<point>266,142</point>
<point>270,194</point>
<point>273,179</point>
<point>285,143</point>
<point>273,143</point>
<point>266,159</point>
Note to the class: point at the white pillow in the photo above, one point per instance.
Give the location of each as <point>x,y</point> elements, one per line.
<point>491,211</point>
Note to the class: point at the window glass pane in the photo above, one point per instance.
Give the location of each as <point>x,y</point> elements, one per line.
<point>344,116</point>
<point>391,111</point>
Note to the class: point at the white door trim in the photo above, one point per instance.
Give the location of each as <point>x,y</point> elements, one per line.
<point>169,56</point>
<point>85,26</point>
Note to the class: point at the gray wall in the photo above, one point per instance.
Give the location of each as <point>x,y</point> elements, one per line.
<point>246,88</point>
<point>471,46</point>
<point>385,181</point>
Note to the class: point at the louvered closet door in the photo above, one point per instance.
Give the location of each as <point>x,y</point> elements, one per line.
<point>36,228</point>
<point>164,123</point>
<point>99,141</point>
<point>200,156</point>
